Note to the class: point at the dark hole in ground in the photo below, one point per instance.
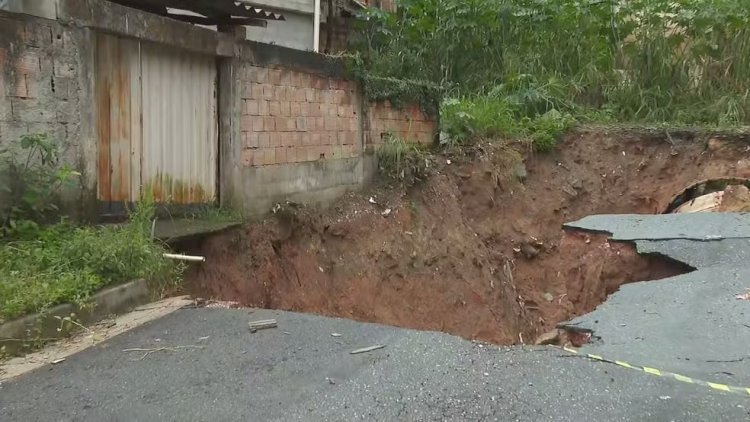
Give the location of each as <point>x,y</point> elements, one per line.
<point>282,273</point>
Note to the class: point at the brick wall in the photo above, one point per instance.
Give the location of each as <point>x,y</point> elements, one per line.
<point>291,116</point>
<point>39,81</point>
<point>409,123</point>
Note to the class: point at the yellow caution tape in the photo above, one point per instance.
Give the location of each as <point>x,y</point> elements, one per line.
<point>665,374</point>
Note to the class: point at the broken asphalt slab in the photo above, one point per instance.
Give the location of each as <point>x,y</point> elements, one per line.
<point>691,324</point>
<point>300,372</point>
<point>694,226</point>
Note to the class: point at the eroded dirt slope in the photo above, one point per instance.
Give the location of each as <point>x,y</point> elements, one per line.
<point>473,251</point>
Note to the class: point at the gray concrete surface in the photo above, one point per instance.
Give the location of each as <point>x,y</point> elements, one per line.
<point>16,334</point>
<point>727,252</point>
<point>300,372</point>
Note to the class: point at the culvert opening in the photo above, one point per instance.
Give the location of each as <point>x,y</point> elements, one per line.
<point>713,195</point>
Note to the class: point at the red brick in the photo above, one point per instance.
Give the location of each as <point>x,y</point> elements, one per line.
<point>315,138</point>
<point>300,95</point>
<point>274,76</point>
<point>267,156</point>
<point>275,139</point>
<point>294,78</point>
<point>291,154</point>
<point>262,107</point>
<point>354,124</point>
<point>325,97</point>
<point>314,110</point>
<point>279,93</point>
<point>269,124</point>
<point>286,139</point>
<point>262,74</point>
<point>281,155</point>
<point>313,153</point>
<point>252,107</point>
<point>286,77</point>
<point>336,152</point>
<point>304,80</point>
<point>274,108</point>
<point>264,140</point>
<point>310,96</point>
<point>331,123</point>
<point>246,123</point>
<point>247,157</point>
<point>257,122</point>
<point>297,137</point>
<point>295,109</point>
<point>251,139</point>
<point>285,108</point>
<point>304,109</point>
<point>339,97</point>
<point>256,91</point>
<point>268,92</point>
<point>301,124</point>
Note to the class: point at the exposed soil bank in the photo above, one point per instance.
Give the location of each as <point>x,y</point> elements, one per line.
<point>473,251</point>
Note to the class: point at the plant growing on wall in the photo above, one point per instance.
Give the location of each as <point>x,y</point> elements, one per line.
<point>31,178</point>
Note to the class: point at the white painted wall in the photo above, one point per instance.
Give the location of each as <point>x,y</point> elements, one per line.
<point>295,32</point>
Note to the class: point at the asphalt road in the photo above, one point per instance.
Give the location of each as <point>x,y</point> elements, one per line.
<point>206,365</point>
<point>298,371</point>
<point>692,324</point>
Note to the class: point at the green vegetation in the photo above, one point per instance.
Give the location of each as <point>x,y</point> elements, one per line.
<point>42,264</point>
<point>531,68</point>
<point>403,161</point>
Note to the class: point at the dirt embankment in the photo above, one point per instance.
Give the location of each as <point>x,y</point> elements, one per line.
<point>477,250</point>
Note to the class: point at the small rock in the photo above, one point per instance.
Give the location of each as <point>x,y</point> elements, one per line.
<point>530,252</point>
<point>386,213</point>
<point>335,335</point>
<point>548,297</point>
<point>331,381</point>
<point>570,191</point>
<point>715,144</point>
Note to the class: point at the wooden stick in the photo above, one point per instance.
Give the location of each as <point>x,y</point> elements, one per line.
<point>262,324</point>
<point>366,349</point>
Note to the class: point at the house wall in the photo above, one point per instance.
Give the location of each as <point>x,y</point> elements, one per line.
<point>306,134</point>
<point>292,126</point>
<point>295,32</point>
<point>45,88</point>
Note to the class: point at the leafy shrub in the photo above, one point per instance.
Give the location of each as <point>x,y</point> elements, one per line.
<point>30,179</point>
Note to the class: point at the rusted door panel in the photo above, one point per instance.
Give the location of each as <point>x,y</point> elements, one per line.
<point>118,117</point>
<point>180,139</point>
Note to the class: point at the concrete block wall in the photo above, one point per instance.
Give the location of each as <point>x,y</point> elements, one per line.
<point>44,86</point>
<point>39,80</point>
<point>410,123</point>
<point>305,132</point>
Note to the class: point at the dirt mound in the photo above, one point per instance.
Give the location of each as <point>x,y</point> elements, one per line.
<point>477,250</point>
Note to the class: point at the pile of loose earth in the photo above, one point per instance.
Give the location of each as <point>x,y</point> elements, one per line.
<point>478,249</point>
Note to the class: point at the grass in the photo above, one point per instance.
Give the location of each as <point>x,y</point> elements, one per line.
<point>64,263</point>
<point>403,161</point>
<point>530,68</point>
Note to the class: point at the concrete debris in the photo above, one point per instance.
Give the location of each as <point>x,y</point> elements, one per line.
<point>56,361</point>
<point>548,297</point>
<point>372,200</point>
<point>367,349</point>
<point>550,337</point>
<point>262,325</point>
<point>386,213</point>
<point>335,335</point>
<point>745,296</point>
